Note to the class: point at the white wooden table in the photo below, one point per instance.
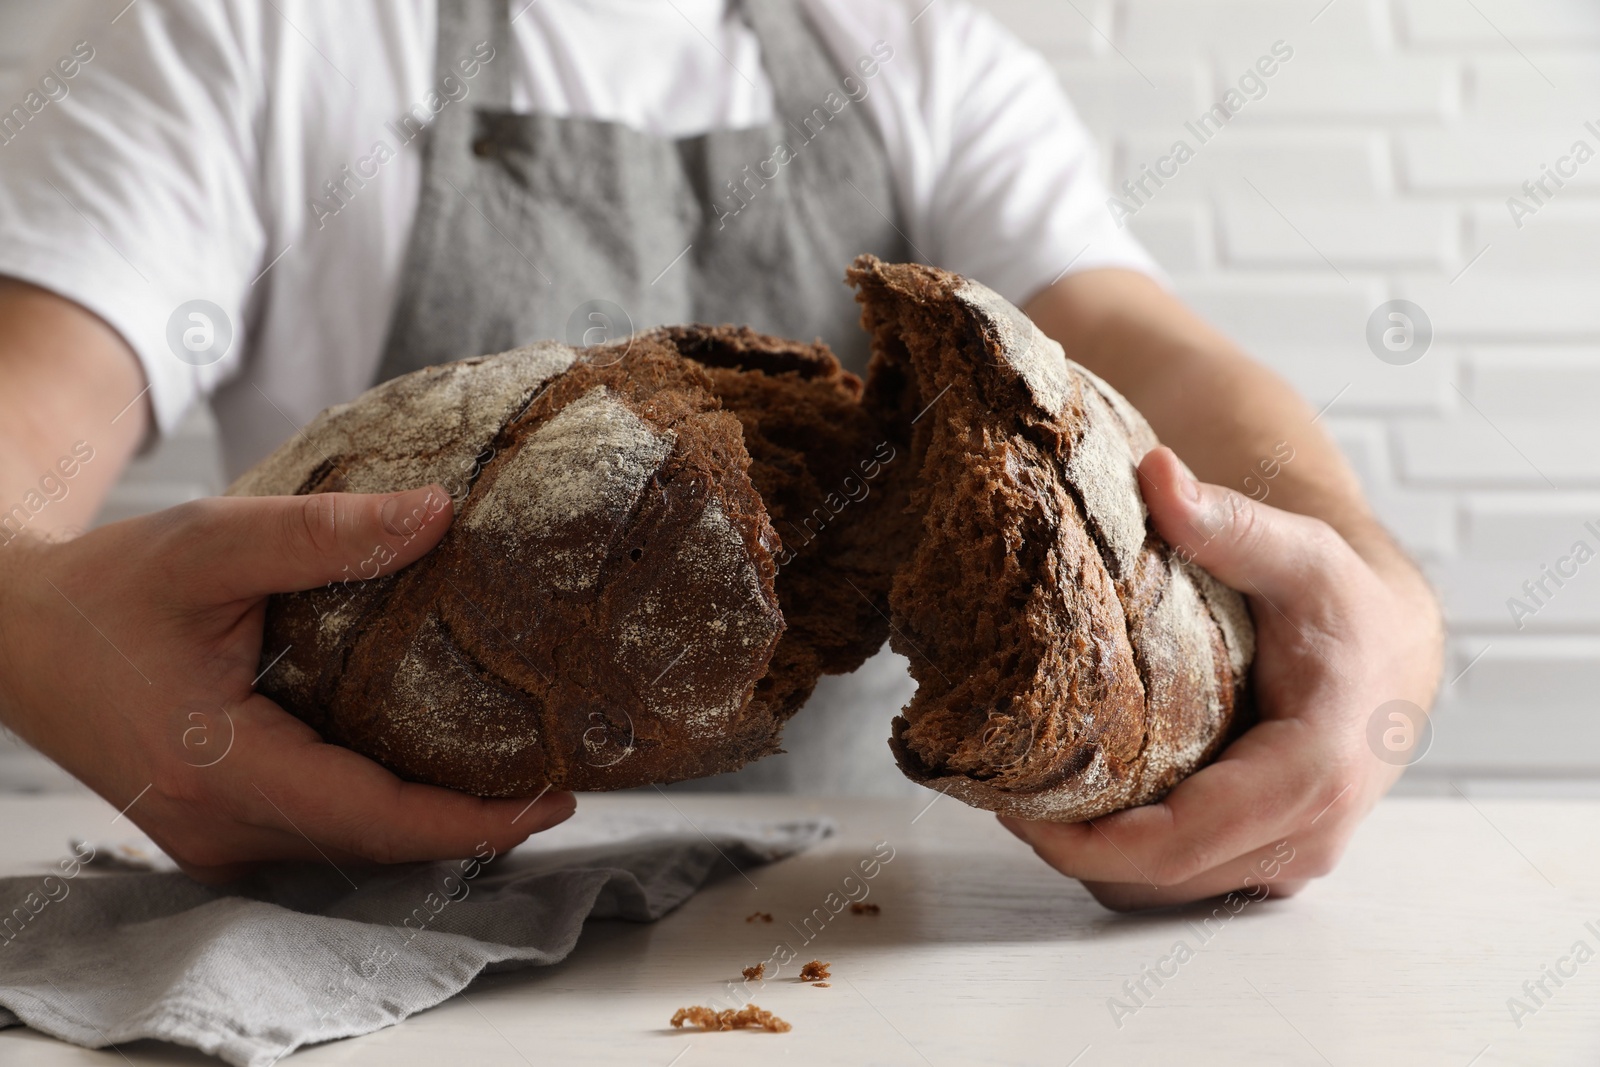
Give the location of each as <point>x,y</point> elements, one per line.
<point>981,955</point>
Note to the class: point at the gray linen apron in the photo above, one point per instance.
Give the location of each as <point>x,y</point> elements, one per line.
<point>534,226</point>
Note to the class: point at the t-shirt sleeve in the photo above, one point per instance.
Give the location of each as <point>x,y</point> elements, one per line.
<point>128,184</point>
<point>1016,198</point>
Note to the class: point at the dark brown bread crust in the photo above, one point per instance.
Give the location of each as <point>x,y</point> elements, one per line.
<point>605,602</point>
<point>1068,664</point>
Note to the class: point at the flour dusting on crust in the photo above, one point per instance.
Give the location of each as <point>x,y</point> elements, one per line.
<point>428,426</point>
<point>1183,707</point>
<point>712,560</point>
<point>583,470</point>
<point>1038,359</point>
<point>1232,615</point>
<point>1102,467</point>
<point>1141,438</point>
<point>440,709</point>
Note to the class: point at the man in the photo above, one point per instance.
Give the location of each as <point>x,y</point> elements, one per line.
<point>275,205</point>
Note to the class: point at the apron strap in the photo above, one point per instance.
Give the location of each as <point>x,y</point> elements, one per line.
<point>463,24</point>
<point>797,60</point>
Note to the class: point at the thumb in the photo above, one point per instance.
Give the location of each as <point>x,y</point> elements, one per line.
<point>1287,558</point>
<point>254,546</point>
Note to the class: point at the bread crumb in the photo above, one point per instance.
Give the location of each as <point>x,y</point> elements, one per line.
<point>764,916</point>
<point>755,973</point>
<point>748,1017</point>
<point>820,985</point>
<point>815,971</point>
<point>859,908</point>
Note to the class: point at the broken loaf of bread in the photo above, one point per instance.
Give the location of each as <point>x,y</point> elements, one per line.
<point>660,545</point>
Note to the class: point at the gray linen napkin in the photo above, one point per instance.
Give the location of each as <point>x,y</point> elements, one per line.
<point>298,954</point>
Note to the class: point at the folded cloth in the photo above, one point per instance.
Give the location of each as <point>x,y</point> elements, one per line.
<point>301,953</point>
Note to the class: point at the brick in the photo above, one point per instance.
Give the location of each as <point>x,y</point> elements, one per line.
<point>1546,740</point>
<point>1523,22</point>
<point>1365,445</point>
<point>1236,31</point>
<point>1111,97</point>
<point>1509,89</point>
<point>1300,231</point>
<point>1475,594</point>
<point>1314,334</point>
<point>1528,528</point>
<point>1518,670</point>
<point>1057,30</point>
<point>1560,237</point>
<point>1494,161</point>
<point>1423,522</point>
<point>1462,449</point>
<point>1274,311</point>
<point>1279,163</point>
<point>1378,88</point>
<point>1544,685</point>
<point>1178,235</point>
<point>1490,307</point>
<point>1555,382</point>
<point>1364,384</point>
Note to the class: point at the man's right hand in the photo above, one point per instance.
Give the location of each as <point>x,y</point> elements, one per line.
<point>128,655</point>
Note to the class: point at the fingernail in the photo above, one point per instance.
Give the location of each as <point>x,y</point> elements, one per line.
<point>406,513</point>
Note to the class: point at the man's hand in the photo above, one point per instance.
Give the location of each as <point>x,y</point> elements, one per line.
<point>129,656</point>
<point>1334,642</point>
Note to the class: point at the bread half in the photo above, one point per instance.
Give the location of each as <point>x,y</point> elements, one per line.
<point>1068,663</point>
<point>612,605</point>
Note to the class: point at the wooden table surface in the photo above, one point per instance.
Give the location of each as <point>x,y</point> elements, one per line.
<point>1410,954</point>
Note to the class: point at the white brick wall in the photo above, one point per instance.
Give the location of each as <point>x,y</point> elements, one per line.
<point>1390,141</point>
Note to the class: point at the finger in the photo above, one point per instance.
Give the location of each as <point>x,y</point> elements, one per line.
<point>339,800</point>
<point>1270,871</point>
<point>1256,793</point>
<point>1294,561</point>
<point>1120,897</point>
<point>253,546</point>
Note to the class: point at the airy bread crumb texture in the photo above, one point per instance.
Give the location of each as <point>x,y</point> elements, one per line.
<point>815,971</point>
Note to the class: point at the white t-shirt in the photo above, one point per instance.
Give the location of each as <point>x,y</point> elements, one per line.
<point>181,158</point>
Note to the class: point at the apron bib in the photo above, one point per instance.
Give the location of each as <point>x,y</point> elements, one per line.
<point>534,226</point>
